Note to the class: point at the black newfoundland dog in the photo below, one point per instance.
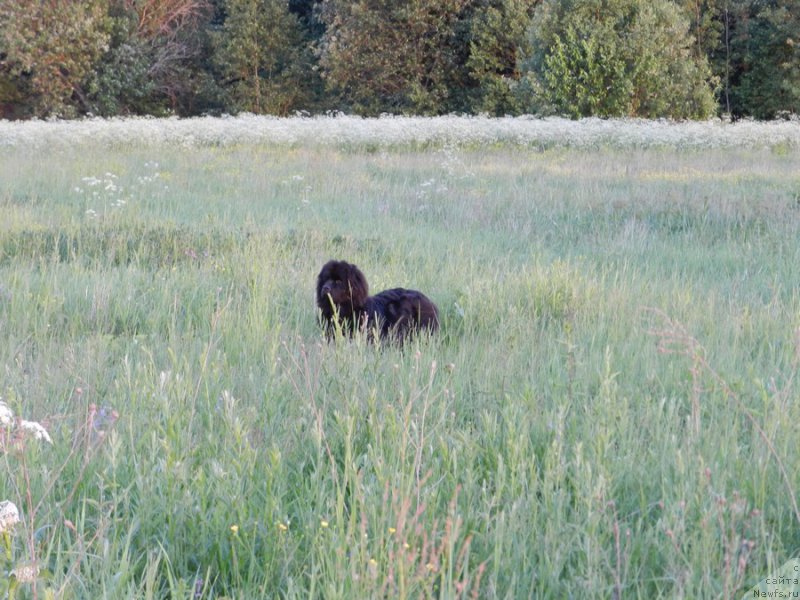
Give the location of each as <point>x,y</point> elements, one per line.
<point>343,294</point>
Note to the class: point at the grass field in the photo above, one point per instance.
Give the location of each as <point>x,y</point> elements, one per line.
<point>610,409</point>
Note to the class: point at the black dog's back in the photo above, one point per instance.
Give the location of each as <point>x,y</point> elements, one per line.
<point>399,311</point>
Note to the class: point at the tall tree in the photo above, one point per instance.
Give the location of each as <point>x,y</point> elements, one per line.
<point>616,58</point>
<point>391,55</point>
<point>706,24</point>
<point>764,63</point>
<point>48,50</point>
<point>151,65</point>
<point>497,41</point>
<point>264,57</point>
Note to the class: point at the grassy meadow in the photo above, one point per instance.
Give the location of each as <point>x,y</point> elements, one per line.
<point>610,409</point>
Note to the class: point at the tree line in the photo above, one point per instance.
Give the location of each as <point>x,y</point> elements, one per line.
<point>684,59</point>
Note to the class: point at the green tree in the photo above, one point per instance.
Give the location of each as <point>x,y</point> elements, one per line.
<point>48,51</point>
<point>616,58</point>
<point>154,61</point>
<point>263,57</point>
<point>497,40</point>
<point>764,65</point>
<point>706,25</point>
<point>392,55</point>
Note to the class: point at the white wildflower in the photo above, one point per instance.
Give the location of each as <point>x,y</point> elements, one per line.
<point>6,415</point>
<point>26,573</point>
<point>449,132</point>
<point>36,430</point>
<point>9,515</point>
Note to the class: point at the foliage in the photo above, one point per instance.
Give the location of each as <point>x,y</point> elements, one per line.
<point>616,58</point>
<point>386,56</point>
<point>666,58</point>
<point>149,67</point>
<point>765,59</point>
<point>122,82</point>
<point>751,47</point>
<point>706,26</point>
<point>497,41</point>
<point>263,58</point>
<point>49,50</point>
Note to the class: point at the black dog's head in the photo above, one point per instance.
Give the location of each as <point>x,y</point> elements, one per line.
<point>341,289</point>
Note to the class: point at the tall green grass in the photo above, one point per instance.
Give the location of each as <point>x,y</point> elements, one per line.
<point>608,410</point>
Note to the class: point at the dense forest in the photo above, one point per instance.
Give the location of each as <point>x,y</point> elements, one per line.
<point>683,59</point>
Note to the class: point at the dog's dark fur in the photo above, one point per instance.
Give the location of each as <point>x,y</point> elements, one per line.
<point>343,294</point>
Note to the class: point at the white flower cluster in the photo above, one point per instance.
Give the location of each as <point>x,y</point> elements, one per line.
<point>387,131</point>
<point>9,515</point>
<point>6,415</point>
<point>26,573</point>
<point>103,190</point>
<point>27,428</point>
